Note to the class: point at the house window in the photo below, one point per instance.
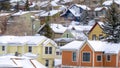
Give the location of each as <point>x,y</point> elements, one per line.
<point>58,53</point>
<point>108,57</point>
<point>86,57</point>
<point>94,37</point>
<point>47,63</point>
<point>67,35</point>
<point>100,36</point>
<point>48,50</point>
<point>99,58</point>
<point>74,56</point>
<point>3,48</point>
<point>30,49</point>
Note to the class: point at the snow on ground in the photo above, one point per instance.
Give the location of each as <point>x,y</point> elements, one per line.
<point>24,62</point>
<point>58,62</point>
<point>20,13</point>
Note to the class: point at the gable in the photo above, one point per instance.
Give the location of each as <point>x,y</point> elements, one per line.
<point>67,32</point>
<point>86,47</point>
<point>96,28</point>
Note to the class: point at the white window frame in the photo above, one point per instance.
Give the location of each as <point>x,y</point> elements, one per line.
<point>46,62</point>
<point>97,58</point>
<point>94,37</point>
<point>31,48</point>
<point>107,58</point>
<point>48,52</point>
<point>90,56</point>
<point>72,56</point>
<point>3,48</point>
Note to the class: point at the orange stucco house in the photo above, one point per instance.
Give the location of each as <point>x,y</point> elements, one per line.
<point>90,54</point>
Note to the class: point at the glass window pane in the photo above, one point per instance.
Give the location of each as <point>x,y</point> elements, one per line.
<point>99,58</point>
<point>46,50</point>
<point>86,57</point>
<point>74,56</point>
<point>30,49</point>
<point>50,50</point>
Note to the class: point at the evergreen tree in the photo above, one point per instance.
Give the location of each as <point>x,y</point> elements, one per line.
<point>27,5</point>
<point>46,30</point>
<point>112,24</point>
<point>17,7</point>
<point>5,5</point>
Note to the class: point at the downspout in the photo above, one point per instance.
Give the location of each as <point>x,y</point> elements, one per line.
<point>117,61</point>
<point>78,58</point>
<point>93,60</point>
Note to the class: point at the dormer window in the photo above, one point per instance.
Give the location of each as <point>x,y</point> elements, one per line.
<point>48,50</point>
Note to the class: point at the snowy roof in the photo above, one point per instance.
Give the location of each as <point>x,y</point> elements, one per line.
<point>80,27</point>
<point>33,4</point>
<point>99,46</point>
<point>100,8</point>
<point>53,3</point>
<point>101,24</point>
<point>5,39</point>
<point>20,13</point>
<point>35,40</point>
<point>11,1</point>
<point>4,14</point>
<point>78,35</point>
<point>83,7</point>
<point>50,13</point>
<point>24,62</point>
<point>75,9</point>
<point>43,4</point>
<point>66,1</point>
<point>31,55</point>
<point>22,40</point>
<point>74,45</point>
<point>63,39</point>
<point>109,2</point>
<point>58,28</point>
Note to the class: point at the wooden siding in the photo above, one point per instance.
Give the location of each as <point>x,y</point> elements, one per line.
<point>67,58</point>
<point>86,48</point>
<point>112,62</point>
<point>98,63</point>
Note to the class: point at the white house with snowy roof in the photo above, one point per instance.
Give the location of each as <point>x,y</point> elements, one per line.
<point>91,54</point>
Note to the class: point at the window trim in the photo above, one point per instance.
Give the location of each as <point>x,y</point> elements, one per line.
<point>100,35</point>
<point>48,52</point>
<point>97,57</point>
<point>72,56</point>
<point>3,48</point>
<point>47,65</point>
<point>94,37</point>
<point>31,48</point>
<point>90,56</point>
<point>107,58</point>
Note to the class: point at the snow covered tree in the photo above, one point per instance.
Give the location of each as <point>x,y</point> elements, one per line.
<point>112,24</point>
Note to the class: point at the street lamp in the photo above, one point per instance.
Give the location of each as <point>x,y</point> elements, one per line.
<point>32,20</point>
